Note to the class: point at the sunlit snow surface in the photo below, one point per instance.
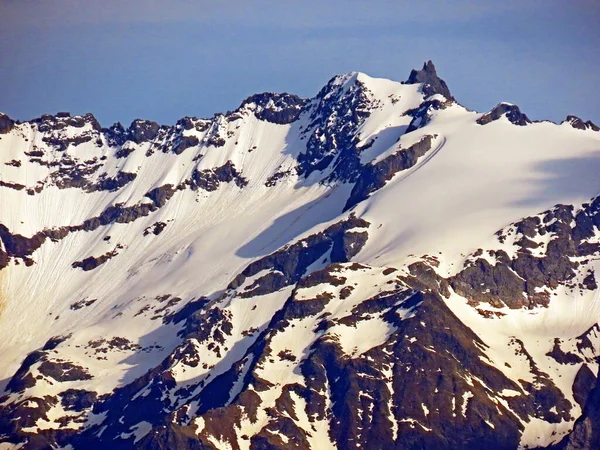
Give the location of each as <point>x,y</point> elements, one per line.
<point>475,180</point>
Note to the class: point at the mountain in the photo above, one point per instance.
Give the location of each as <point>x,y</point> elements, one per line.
<point>375,267</point>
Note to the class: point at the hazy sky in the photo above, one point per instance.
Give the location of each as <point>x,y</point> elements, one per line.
<point>161,60</point>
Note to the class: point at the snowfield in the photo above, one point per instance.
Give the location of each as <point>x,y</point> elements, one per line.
<point>166,272</point>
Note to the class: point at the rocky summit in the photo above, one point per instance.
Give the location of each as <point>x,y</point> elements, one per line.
<point>375,267</point>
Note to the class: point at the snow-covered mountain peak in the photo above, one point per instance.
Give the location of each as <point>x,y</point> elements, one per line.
<point>374,266</point>
<point>348,83</point>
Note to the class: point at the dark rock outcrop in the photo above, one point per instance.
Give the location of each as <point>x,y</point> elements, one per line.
<point>583,385</point>
<point>578,123</point>
<point>335,115</point>
<point>63,371</point>
<point>375,176</point>
<point>423,114</point>
<point>586,431</point>
<point>142,131</point>
<point>210,179</point>
<point>91,262</point>
<point>432,84</point>
<point>286,266</point>
<point>512,112</point>
<point>275,108</point>
<point>524,279</point>
<point>15,186</point>
<point>183,143</point>
<point>50,125</point>
<point>116,135</point>
<point>6,124</point>
<point>77,399</point>
<point>156,228</point>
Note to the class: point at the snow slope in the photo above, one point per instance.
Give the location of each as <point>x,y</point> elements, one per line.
<point>167,285</point>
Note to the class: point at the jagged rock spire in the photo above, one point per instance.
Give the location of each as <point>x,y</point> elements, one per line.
<point>432,84</point>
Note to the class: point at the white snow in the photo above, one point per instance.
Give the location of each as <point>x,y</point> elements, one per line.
<point>474,181</point>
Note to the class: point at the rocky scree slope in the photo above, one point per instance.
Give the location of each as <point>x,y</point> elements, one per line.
<point>374,267</point>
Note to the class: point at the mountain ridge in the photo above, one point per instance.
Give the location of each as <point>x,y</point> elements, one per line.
<point>254,280</point>
<point>426,76</point>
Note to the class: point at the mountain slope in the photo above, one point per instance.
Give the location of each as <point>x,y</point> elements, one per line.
<point>373,267</point>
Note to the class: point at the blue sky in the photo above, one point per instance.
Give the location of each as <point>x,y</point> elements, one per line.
<point>162,60</point>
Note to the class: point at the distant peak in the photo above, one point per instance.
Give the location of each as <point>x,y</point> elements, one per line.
<point>578,123</point>
<point>344,79</point>
<point>429,68</point>
<point>432,84</point>
<point>511,111</point>
<point>340,84</point>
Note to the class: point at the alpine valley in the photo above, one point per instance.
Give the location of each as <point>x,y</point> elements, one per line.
<point>376,267</point>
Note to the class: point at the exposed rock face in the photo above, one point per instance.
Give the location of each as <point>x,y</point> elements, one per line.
<point>116,135</point>
<point>525,279</point>
<point>6,123</point>
<point>512,113</point>
<point>592,125</point>
<point>578,123</point>
<point>91,262</point>
<point>142,131</point>
<point>77,399</point>
<point>63,371</point>
<point>374,176</point>
<point>55,129</point>
<point>155,229</point>
<point>342,240</point>
<point>432,84</point>
<point>422,115</point>
<point>57,370</point>
<point>48,122</point>
<point>586,432</point>
<point>14,186</point>
<point>184,143</point>
<point>77,177</point>
<point>209,180</point>
<point>371,393</point>
<point>337,112</point>
<point>275,108</point>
